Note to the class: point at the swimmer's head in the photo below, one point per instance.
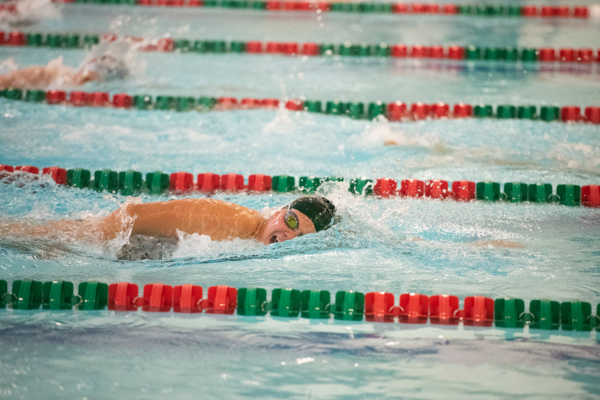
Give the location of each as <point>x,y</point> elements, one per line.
<point>309,214</point>
<point>102,69</point>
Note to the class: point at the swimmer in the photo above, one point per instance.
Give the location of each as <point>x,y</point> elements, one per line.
<point>216,219</point>
<point>27,12</point>
<point>58,75</point>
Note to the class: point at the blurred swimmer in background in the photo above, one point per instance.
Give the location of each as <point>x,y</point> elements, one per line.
<point>105,62</point>
<point>26,12</point>
<point>57,75</point>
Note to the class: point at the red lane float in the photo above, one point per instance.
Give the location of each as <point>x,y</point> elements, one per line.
<point>440,110</point>
<point>437,52</point>
<point>222,299</point>
<point>592,115</point>
<point>273,5</point>
<point>414,308</point>
<point>412,188</point>
<point>585,55</point>
<point>477,311</point>
<point>269,103</point>
<point>450,9</point>
<point>122,296</point>
<point>580,12</point>
<point>570,114</point>
<point>249,103</point>
<point>208,182</point>
<point>566,55</point>
<point>158,297</point>
<point>99,99</point>
<point>7,168</point>
<point>529,11</point>
<point>59,175</point>
<point>436,189</point>
<point>462,110</point>
<point>590,196</point>
<point>547,54</point>
<point>378,307</point>
<point>187,298</point>
<point>456,53</point>
<point>226,103</point>
<point>420,52</point>
<point>399,8</point>
<point>311,49</point>
<point>253,47</point>
<point>56,97</point>
<point>181,181</point>
<point>399,50</point>
<point>396,111</point>
<point>385,187</point>
<point>232,182</point>
<point>290,49</point>
<point>294,105</point>
<point>419,111</point>
<point>463,190</point>
<point>443,309</point>
<point>259,183</point>
<point>79,99</point>
<point>273,48</point>
<point>16,38</point>
<point>122,100</point>
<point>28,168</point>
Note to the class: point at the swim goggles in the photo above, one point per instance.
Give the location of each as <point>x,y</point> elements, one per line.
<point>291,219</point>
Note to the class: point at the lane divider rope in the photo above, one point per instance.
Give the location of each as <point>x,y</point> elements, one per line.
<point>412,308</point>
<point>545,55</point>
<point>395,111</point>
<point>415,9</point>
<point>130,183</point>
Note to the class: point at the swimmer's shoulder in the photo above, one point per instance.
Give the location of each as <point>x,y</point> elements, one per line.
<point>219,208</point>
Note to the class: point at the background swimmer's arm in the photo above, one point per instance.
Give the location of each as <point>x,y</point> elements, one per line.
<point>26,78</point>
<point>218,219</point>
<point>33,77</point>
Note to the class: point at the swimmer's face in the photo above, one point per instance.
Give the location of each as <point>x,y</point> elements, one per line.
<point>276,230</point>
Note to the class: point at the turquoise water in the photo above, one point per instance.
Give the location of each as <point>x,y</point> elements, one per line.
<point>103,354</point>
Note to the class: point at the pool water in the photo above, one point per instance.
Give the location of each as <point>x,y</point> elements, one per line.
<point>103,354</point>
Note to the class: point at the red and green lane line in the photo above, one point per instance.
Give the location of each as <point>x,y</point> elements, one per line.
<point>131,182</point>
<point>412,308</point>
<point>395,111</point>
<point>470,53</point>
<point>416,9</point>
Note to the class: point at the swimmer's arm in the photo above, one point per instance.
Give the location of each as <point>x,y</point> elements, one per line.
<point>33,77</point>
<point>217,219</point>
<point>26,78</point>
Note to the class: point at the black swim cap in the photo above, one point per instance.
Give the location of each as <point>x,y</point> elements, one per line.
<point>320,210</point>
